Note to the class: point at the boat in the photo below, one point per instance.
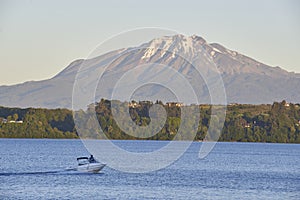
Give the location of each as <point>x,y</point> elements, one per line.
<point>86,164</point>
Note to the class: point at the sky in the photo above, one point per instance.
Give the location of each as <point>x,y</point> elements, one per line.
<point>40,38</point>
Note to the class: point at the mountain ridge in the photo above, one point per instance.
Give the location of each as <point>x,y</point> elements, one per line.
<point>246,80</point>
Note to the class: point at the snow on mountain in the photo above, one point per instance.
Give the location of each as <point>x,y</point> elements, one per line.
<point>175,44</point>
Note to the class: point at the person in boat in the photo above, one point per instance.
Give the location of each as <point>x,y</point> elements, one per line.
<point>92,159</point>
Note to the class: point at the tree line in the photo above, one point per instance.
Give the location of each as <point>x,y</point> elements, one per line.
<point>277,122</point>
<point>36,123</point>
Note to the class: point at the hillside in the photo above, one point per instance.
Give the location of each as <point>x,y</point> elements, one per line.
<point>246,80</point>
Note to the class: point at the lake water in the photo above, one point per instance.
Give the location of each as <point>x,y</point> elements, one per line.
<point>34,169</point>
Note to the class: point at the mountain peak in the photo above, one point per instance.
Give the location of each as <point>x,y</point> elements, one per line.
<point>176,44</point>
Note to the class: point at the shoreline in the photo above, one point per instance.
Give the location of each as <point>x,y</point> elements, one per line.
<point>237,142</point>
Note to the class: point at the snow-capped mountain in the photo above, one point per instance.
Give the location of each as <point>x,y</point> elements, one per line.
<point>245,79</point>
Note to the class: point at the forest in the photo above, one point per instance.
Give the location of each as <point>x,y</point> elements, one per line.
<point>275,123</point>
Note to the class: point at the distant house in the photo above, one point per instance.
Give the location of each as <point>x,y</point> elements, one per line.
<point>14,122</point>
<point>133,104</point>
<point>247,126</point>
<point>174,104</point>
<point>179,104</point>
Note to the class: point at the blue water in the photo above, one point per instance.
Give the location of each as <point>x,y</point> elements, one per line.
<point>35,169</point>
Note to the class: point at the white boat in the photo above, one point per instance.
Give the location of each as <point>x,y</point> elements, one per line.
<point>86,164</point>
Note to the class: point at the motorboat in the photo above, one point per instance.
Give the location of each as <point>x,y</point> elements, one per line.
<point>86,164</point>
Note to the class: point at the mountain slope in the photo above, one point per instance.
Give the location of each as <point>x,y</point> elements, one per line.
<point>245,79</point>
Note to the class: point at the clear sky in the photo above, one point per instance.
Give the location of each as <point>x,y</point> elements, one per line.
<point>40,38</point>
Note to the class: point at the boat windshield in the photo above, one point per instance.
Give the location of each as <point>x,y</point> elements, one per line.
<point>83,160</point>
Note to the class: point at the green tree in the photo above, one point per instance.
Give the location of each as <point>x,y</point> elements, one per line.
<point>15,116</point>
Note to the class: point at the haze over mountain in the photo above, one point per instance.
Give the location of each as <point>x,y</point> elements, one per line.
<point>245,79</point>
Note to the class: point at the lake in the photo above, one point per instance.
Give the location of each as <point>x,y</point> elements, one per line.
<point>35,169</point>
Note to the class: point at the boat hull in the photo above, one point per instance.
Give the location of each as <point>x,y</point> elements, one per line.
<point>91,167</point>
